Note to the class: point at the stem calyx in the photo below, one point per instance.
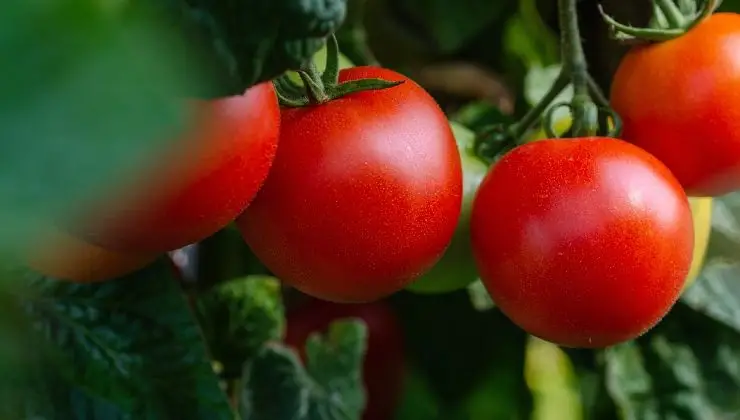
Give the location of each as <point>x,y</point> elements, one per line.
<point>321,87</point>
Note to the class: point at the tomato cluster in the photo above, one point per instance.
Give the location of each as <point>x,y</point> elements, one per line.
<point>584,242</point>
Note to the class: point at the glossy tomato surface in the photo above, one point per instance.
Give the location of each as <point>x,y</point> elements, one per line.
<point>364,194</point>
<point>584,242</point>
<point>189,193</point>
<point>457,269</point>
<point>680,101</point>
<point>383,368</point>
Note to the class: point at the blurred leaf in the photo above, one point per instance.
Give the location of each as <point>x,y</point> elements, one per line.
<point>716,292</point>
<point>269,37</point>
<point>276,386</point>
<point>419,402</point>
<point>479,296</point>
<point>239,317</point>
<point>479,115</point>
<point>480,350</point>
<point>688,367</point>
<point>87,94</point>
<point>528,39</point>
<point>451,23</point>
<point>131,342</point>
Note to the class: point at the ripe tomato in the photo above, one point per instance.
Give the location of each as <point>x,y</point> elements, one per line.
<point>364,194</point>
<point>192,192</point>
<point>680,101</point>
<point>66,257</point>
<point>592,244</point>
<point>457,269</point>
<point>383,368</point>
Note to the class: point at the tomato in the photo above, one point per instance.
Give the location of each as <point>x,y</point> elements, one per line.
<point>592,244</point>
<point>192,192</point>
<point>66,257</point>
<point>457,269</point>
<point>383,367</point>
<point>364,194</point>
<point>680,101</point>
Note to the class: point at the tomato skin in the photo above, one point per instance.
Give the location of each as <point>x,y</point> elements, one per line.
<point>364,194</point>
<point>456,269</point>
<point>62,256</point>
<point>680,101</point>
<point>191,193</point>
<point>593,244</point>
<point>383,367</point>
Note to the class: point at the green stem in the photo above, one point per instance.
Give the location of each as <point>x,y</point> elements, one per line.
<point>518,130</point>
<point>672,13</point>
<point>574,64</point>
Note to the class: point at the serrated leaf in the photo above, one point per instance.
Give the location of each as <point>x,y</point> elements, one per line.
<point>687,367</point>
<point>276,385</point>
<point>132,342</point>
<point>90,95</point>
<point>239,317</point>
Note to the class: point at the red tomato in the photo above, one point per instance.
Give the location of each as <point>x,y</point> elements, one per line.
<point>383,368</point>
<point>584,242</point>
<point>680,101</point>
<point>364,194</point>
<point>196,190</point>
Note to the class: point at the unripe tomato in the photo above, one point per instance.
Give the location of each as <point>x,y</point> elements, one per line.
<point>584,242</point>
<point>680,101</point>
<point>457,269</point>
<point>364,195</point>
<point>701,211</point>
<point>383,367</point>
<point>190,193</point>
<point>66,257</point>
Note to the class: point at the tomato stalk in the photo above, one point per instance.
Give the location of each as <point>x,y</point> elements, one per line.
<point>321,87</point>
<point>589,106</point>
<point>671,21</point>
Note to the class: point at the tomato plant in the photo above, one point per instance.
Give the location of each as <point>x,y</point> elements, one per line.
<point>201,187</point>
<point>593,245</point>
<point>456,269</point>
<point>364,194</point>
<point>678,101</point>
<point>383,368</point>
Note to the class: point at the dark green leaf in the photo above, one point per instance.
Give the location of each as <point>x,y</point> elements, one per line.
<point>688,367</point>
<point>131,341</point>
<point>87,95</point>
<point>276,386</point>
<point>269,37</point>
<point>239,317</point>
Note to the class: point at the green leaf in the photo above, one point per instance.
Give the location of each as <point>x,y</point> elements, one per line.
<point>480,115</point>
<point>239,317</point>
<point>91,93</point>
<point>131,342</point>
<point>528,40</point>
<point>276,386</point>
<point>716,292</point>
<point>269,37</point>
<point>538,81</point>
<point>685,368</point>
